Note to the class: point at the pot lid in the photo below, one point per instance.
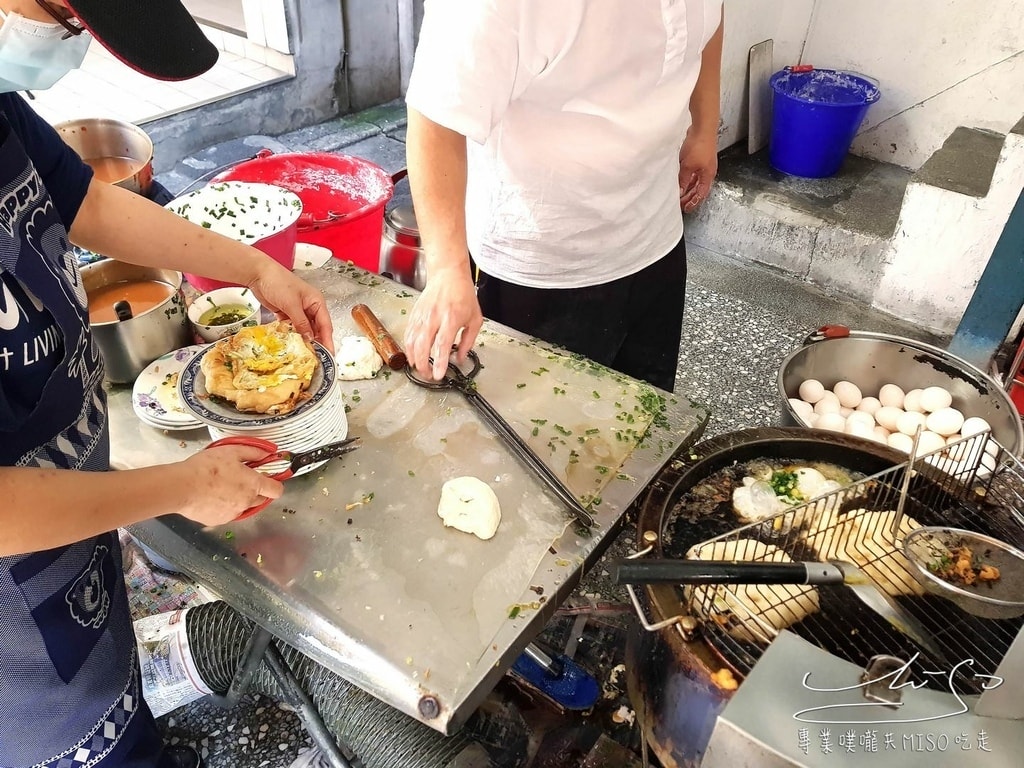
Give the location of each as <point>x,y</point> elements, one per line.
<point>402,219</point>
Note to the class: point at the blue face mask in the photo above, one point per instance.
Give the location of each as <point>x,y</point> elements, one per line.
<point>32,54</point>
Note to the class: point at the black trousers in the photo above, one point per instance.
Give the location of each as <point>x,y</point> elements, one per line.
<point>632,325</point>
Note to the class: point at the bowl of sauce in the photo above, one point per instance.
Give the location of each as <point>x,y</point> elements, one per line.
<point>118,152</point>
<point>223,312</point>
<point>136,315</point>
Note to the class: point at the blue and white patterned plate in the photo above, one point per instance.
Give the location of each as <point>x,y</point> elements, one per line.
<point>214,411</point>
<point>155,396</point>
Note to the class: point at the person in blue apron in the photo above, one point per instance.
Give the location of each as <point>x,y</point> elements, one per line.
<point>69,677</point>
<point>558,144</point>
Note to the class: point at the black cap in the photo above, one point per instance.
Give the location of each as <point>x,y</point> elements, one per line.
<point>156,37</point>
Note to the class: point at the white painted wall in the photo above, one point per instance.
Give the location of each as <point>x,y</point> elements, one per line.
<point>940,63</point>
<point>943,242</point>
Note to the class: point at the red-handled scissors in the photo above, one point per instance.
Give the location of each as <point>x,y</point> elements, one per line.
<point>296,461</point>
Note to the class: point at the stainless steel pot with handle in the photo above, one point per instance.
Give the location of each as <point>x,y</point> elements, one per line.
<point>118,152</point>
<point>401,253</point>
<point>129,345</point>
<point>836,353</point>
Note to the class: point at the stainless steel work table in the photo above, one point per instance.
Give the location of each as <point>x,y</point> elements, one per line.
<point>353,566</point>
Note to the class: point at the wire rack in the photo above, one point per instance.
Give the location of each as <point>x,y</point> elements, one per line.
<point>974,484</point>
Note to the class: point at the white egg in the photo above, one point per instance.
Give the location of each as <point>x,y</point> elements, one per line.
<point>909,421</point>
<point>912,401</point>
<point>901,442</point>
<point>974,425</point>
<point>811,390</point>
<point>945,421</point>
<point>869,405</point>
<point>891,395</point>
<point>860,416</point>
<point>801,408</point>
<point>831,421</point>
<point>930,442</point>
<point>859,429</point>
<point>829,403</point>
<point>935,399</point>
<point>955,449</point>
<point>812,420</point>
<point>881,433</point>
<point>845,411</point>
<point>849,394</point>
<point>887,416</point>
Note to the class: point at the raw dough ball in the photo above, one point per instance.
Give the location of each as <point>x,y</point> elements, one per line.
<point>891,395</point>
<point>909,422</point>
<point>779,605</point>
<point>468,504</point>
<point>888,416</point>
<point>869,405</point>
<point>935,399</point>
<point>865,539</point>
<point>811,391</point>
<point>945,421</point>
<point>974,425</point>
<point>848,393</point>
<point>912,401</point>
<point>357,359</point>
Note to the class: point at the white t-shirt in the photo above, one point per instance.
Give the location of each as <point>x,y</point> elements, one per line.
<point>575,111</point>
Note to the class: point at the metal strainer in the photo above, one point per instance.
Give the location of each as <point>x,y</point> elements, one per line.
<point>999,599</point>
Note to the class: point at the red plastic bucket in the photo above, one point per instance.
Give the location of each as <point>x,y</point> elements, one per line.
<point>343,199</point>
<point>263,216</point>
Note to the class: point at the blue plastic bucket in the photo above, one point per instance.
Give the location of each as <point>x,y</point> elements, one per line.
<point>815,116</point>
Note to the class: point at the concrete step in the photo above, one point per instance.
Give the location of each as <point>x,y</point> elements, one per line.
<point>912,244</point>
<point>830,232</point>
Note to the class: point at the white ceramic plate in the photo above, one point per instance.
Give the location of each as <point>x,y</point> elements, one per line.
<point>155,397</point>
<point>219,413</point>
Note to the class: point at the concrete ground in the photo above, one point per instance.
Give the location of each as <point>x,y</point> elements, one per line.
<point>740,322</point>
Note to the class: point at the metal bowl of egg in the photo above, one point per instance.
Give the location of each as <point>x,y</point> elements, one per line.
<point>981,574</point>
<point>884,387</point>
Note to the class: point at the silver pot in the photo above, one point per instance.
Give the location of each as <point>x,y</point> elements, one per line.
<point>869,360</point>
<point>118,152</point>
<point>401,253</point>
<point>128,346</point>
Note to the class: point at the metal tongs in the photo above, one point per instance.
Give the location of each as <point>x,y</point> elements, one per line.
<point>463,381</point>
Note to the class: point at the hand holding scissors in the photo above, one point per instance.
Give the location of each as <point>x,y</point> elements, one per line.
<point>296,461</point>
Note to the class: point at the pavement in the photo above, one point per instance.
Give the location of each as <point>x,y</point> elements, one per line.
<point>741,321</point>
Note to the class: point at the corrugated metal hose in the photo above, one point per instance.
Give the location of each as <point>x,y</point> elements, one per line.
<point>379,735</point>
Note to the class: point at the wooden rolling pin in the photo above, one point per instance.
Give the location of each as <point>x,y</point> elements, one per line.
<point>383,341</point>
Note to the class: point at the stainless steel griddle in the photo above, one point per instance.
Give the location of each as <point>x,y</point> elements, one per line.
<point>353,567</point>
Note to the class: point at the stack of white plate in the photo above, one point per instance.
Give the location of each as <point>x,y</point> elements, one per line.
<point>317,421</point>
<point>155,396</point>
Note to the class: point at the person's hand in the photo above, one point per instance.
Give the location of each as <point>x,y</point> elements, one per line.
<point>447,304</point>
<point>288,296</point>
<point>221,486</point>
<point>698,166</point>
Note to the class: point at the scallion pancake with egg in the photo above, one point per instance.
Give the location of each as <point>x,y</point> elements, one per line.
<point>263,369</point>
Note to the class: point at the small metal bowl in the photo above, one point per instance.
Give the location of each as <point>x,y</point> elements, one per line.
<point>1000,599</point>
